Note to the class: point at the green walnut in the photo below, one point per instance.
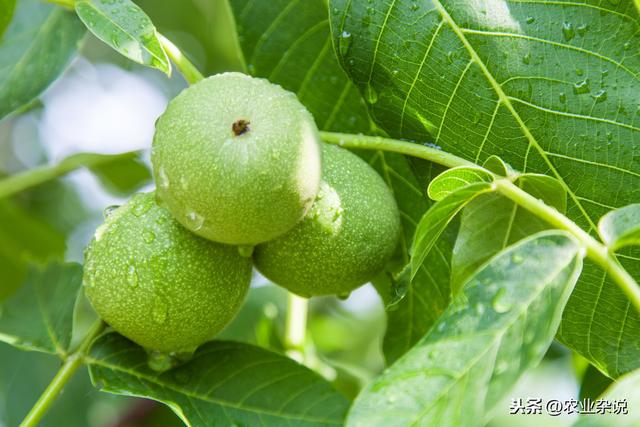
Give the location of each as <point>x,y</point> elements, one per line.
<point>159,285</point>
<point>346,238</point>
<point>236,159</point>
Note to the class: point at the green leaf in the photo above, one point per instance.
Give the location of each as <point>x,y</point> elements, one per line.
<point>593,384</point>
<point>533,84</point>
<point>38,45</point>
<point>624,390</point>
<point>6,13</point>
<point>438,217</point>
<point>499,326</point>
<point>498,166</point>
<point>289,43</point>
<point>24,239</point>
<point>126,28</point>
<point>455,178</point>
<point>621,227</point>
<point>226,383</point>
<point>39,316</point>
<point>123,175</point>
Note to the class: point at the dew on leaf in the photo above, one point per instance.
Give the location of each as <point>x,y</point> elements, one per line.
<point>600,96</point>
<point>344,43</point>
<point>371,94</point>
<point>563,97</point>
<point>530,20</point>
<point>581,87</point>
<point>582,29</point>
<point>527,58</point>
<point>517,258</point>
<point>500,303</point>
<point>567,31</point>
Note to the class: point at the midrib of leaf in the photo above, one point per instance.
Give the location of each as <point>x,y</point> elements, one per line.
<point>499,335</point>
<point>43,29</point>
<point>128,34</point>
<point>204,398</point>
<point>506,101</point>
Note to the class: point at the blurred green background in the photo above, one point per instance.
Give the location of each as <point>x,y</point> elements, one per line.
<point>106,104</point>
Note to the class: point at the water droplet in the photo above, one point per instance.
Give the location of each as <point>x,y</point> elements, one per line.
<point>530,20</point>
<point>563,97</point>
<point>414,7</point>
<point>336,11</point>
<point>194,221</point>
<point>132,276</point>
<point>567,31</point>
<point>109,210</point>
<point>501,367</point>
<point>115,41</point>
<point>141,208</point>
<point>451,57</point>
<point>245,250</point>
<point>160,310</point>
<point>516,258</point>
<point>499,302</point>
<point>609,136</point>
<point>163,179</point>
<point>600,96</point>
<point>582,29</point>
<point>371,94</point>
<point>479,307</point>
<point>344,296</point>
<point>344,43</point>
<point>527,58</point>
<point>148,235</point>
<point>159,362</point>
<point>626,46</point>
<point>581,87</point>
<point>579,71</point>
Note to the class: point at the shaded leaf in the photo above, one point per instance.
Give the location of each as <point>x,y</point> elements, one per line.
<point>36,48</point>
<point>40,315</point>
<point>123,175</point>
<point>621,227</point>
<point>289,43</point>
<point>532,83</point>
<point>438,217</point>
<point>24,239</point>
<point>225,383</point>
<point>499,326</point>
<point>126,28</point>
<point>455,178</point>
<point>498,166</point>
<point>625,389</point>
<point>492,222</point>
<point>593,384</point>
<point>6,13</point>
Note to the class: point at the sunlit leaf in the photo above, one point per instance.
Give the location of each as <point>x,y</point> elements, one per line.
<point>225,383</point>
<point>500,325</point>
<point>40,315</point>
<point>6,13</point>
<point>530,82</point>
<point>37,46</point>
<point>126,28</point>
<point>456,178</point>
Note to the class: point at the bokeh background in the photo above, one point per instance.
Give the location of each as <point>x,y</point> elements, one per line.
<point>106,104</point>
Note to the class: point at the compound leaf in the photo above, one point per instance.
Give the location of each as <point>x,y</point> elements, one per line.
<point>37,47</point>
<point>501,324</point>
<point>126,28</point>
<point>225,383</point>
<point>621,227</point>
<point>40,315</point>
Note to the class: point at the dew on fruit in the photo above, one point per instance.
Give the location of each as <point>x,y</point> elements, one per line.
<point>132,276</point>
<point>109,210</point>
<point>163,179</point>
<point>148,235</point>
<point>500,302</point>
<point>194,221</point>
<point>142,208</point>
<point>160,310</point>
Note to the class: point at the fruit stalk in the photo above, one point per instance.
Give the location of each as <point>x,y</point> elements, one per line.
<point>595,250</point>
<point>296,326</point>
<point>71,364</point>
